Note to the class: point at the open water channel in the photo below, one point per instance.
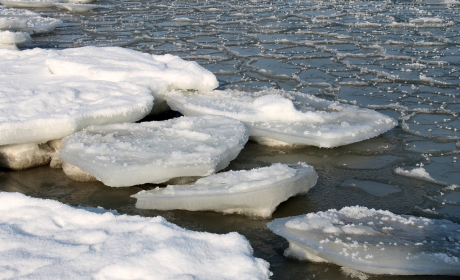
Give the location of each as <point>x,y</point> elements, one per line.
<point>397,57</point>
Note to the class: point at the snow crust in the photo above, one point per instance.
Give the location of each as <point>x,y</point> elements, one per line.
<point>255,192</point>
<point>276,117</point>
<point>374,241</point>
<point>49,94</point>
<point>26,21</point>
<point>40,239</point>
<point>154,152</point>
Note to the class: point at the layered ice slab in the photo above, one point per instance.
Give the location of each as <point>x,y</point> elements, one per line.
<point>276,117</point>
<point>155,152</point>
<point>26,21</point>
<point>42,239</point>
<point>255,192</point>
<point>49,94</point>
<point>373,241</point>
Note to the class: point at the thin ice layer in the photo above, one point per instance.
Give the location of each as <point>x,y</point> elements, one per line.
<point>41,238</point>
<point>49,94</point>
<point>26,21</point>
<point>374,241</point>
<point>154,152</point>
<point>255,192</point>
<point>276,117</point>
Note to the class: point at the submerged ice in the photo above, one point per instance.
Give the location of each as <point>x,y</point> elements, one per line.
<point>40,238</point>
<point>276,117</point>
<point>373,241</point>
<point>155,152</point>
<point>255,192</point>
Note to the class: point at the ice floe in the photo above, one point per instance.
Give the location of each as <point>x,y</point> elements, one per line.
<point>41,237</point>
<point>276,117</point>
<point>76,7</point>
<point>255,192</point>
<point>373,241</point>
<point>49,94</point>
<point>14,38</point>
<point>155,152</point>
<point>26,21</point>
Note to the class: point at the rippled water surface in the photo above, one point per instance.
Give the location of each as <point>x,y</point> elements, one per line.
<point>398,57</point>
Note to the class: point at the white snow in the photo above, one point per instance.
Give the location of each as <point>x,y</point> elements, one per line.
<point>154,152</point>
<point>255,192</point>
<point>26,21</point>
<point>276,117</point>
<point>418,173</point>
<point>49,94</point>
<point>43,239</point>
<point>374,241</point>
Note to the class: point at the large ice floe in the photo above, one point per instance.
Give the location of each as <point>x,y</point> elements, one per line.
<point>26,21</point>
<point>276,117</point>
<point>42,239</point>
<point>49,94</point>
<point>255,192</point>
<point>373,241</point>
<point>154,152</point>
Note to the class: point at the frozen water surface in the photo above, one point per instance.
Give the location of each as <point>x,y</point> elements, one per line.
<point>44,237</point>
<point>373,241</point>
<point>255,192</point>
<point>127,154</point>
<point>367,53</point>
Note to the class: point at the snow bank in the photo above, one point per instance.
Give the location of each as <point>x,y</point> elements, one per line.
<point>154,152</point>
<point>26,21</point>
<point>275,117</point>
<point>39,238</point>
<point>255,192</point>
<point>374,241</point>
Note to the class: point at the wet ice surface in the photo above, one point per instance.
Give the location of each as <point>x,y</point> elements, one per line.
<point>398,57</point>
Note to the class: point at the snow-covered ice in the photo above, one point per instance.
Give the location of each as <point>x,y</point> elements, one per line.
<point>28,3</point>
<point>373,241</point>
<point>276,117</point>
<point>42,239</point>
<point>255,192</point>
<point>49,94</point>
<point>155,152</point>
<point>76,7</point>
<point>14,38</point>
<point>26,21</point>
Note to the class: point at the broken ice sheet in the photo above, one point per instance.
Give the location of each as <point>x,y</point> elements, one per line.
<point>276,117</point>
<point>154,152</point>
<point>373,241</point>
<point>42,237</point>
<point>26,21</point>
<point>255,192</point>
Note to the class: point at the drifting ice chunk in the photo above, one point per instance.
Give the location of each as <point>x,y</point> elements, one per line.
<point>154,152</point>
<point>79,8</point>
<point>374,241</point>
<point>26,21</point>
<point>44,237</point>
<point>160,73</point>
<point>255,192</point>
<point>14,38</point>
<point>275,117</point>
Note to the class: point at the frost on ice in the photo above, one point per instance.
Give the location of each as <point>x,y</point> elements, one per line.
<point>49,94</point>
<point>40,239</point>
<point>275,117</point>
<point>26,21</point>
<point>155,152</point>
<point>255,192</point>
<point>374,241</point>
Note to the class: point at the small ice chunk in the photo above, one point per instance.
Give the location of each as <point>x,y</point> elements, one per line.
<point>255,192</point>
<point>374,241</point>
<point>154,152</point>
<point>42,239</point>
<point>24,156</point>
<point>76,7</point>
<point>418,173</point>
<point>14,38</point>
<point>26,21</point>
<point>292,118</point>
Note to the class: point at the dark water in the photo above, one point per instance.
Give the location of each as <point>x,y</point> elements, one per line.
<point>398,57</point>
